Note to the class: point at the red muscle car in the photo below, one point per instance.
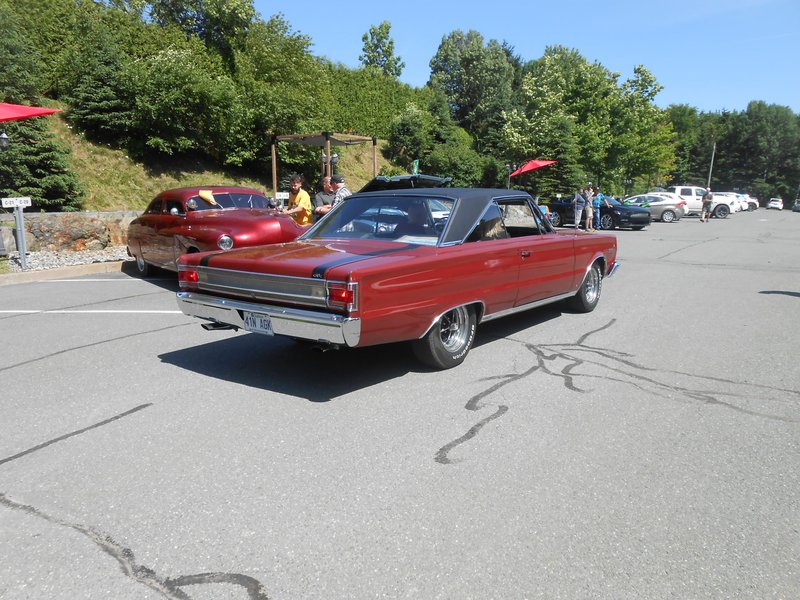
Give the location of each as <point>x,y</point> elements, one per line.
<point>421,265</point>
<point>198,219</point>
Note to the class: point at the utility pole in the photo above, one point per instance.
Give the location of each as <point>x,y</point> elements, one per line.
<point>711,168</point>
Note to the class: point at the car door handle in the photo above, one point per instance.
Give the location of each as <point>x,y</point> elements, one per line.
<point>525,253</point>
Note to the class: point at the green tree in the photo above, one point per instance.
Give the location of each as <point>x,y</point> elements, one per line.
<point>476,79</point>
<point>182,102</point>
<point>218,23</point>
<point>378,51</point>
<point>19,64</point>
<point>34,164</point>
<point>281,89</point>
<point>97,99</point>
<point>37,166</point>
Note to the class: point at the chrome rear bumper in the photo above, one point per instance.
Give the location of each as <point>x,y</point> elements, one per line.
<point>327,328</point>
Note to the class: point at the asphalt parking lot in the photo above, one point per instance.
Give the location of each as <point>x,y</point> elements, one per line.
<point>649,449</point>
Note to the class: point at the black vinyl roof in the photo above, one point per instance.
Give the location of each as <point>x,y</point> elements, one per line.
<point>469,205</point>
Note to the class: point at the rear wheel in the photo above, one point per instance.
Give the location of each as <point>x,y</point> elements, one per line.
<point>589,293</point>
<point>142,268</point>
<point>448,341</point>
<point>722,211</point>
<point>555,219</point>
<point>668,216</point>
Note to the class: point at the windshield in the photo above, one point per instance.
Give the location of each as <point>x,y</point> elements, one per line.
<point>411,220</point>
<point>229,200</point>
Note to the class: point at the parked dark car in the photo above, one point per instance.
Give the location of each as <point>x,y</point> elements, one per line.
<point>405,182</point>
<point>196,219</point>
<point>617,216</point>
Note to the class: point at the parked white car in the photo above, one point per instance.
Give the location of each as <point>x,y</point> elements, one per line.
<point>752,202</point>
<point>720,208</point>
<point>775,203</point>
<point>738,201</point>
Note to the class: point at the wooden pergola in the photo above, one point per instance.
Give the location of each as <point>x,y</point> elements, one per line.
<point>323,139</point>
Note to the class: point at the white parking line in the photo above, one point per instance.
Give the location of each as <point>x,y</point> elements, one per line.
<point>92,312</point>
<point>96,280</point>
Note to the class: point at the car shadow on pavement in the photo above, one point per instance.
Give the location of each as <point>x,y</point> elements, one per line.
<point>294,368</point>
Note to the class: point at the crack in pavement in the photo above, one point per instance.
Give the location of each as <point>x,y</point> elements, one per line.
<point>169,587</point>
<point>106,341</point>
<point>624,370</point>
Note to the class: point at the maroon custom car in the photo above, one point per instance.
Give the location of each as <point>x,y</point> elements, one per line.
<point>422,265</point>
<point>199,219</point>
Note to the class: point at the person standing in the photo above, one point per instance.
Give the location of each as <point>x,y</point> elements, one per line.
<point>598,200</point>
<point>708,200</point>
<point>323,198</point>
<point>299,205</point>
<point>579,202</point>
<point>589,209</point>
<point>340,192</point>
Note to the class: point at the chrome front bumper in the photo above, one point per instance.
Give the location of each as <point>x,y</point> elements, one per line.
<point>311,325</point>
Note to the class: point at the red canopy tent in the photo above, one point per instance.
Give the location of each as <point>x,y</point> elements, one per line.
<point>13,112</point>
<point>531,165</point>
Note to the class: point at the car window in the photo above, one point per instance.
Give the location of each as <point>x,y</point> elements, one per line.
<point>231,200</point>
<point>177,205</point>
<point>154,208</point>
<point>521,218</point>
<point>490,226</point>
<point>415,220</point>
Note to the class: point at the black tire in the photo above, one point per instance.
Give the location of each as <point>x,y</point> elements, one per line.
<point>555,219</point>
<point>607,222</point>
<point>722,211</point>
<point>668,216</point>
<point>588,295</point>
<point>142,268</point>
<point>447,343</point>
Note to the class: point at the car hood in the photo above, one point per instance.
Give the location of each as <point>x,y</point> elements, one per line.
<point>232,214</point>
<point>307,258</point>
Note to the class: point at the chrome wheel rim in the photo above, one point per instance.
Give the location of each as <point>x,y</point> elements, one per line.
<point>140,264</point>
<point>453,329</point>
<point>592,286</point>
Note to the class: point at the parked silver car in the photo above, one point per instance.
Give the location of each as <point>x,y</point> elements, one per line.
<point>662,208</point>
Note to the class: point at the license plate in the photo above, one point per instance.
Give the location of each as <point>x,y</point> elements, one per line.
<point>258,323</point>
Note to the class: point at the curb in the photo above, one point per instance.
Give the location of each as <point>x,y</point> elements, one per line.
<point>62,272</point>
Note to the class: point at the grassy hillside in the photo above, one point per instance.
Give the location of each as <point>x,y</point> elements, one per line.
<point>115,182</point>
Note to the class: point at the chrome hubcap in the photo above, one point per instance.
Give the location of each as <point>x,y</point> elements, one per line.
<point>453,329</point>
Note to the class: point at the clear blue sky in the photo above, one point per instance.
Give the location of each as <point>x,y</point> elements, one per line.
<point>710,54</point>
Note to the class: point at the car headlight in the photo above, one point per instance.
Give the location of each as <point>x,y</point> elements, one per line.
<point>225,242</point>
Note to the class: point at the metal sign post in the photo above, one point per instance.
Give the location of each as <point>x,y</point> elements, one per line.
<point>18,204</point>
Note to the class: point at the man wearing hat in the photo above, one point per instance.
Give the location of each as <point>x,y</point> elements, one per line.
<point>340,192</point>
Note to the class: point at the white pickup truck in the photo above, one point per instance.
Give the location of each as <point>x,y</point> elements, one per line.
<point>720,208</point>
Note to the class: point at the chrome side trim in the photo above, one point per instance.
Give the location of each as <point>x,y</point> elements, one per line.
<point>311,325</point>
<point>528,306</point>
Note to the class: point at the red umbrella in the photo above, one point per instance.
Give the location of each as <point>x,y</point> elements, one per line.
<point>12,112</point>
<point>531,165</point>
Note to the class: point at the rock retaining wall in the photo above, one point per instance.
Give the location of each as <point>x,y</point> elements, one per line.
<point>73,231</point>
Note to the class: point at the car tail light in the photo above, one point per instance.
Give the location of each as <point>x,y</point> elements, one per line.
<point>342,295</point>
<point>188,279</point>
